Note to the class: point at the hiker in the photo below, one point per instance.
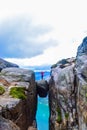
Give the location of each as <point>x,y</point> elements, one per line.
<point>42,74</point>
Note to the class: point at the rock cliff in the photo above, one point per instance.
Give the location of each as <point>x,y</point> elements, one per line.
<point>68,92</point>
<point>18,99</point>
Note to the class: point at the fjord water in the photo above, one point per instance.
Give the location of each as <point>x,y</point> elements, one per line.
<point>42,114</point>
<point>43,108</point>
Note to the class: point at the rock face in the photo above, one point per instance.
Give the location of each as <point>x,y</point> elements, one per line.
<point>68,92</point>
<point>81,76</point>
<point>82,49</point>
<point>4,64</point>
<point>61,96</point>
<point>18,98</point>
<point>7,124</point>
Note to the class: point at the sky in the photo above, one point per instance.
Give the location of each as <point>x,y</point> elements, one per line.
<point>41,32</point>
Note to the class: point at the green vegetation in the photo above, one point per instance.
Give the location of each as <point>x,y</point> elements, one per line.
<point>84,87</point>
<point>67,115</point>
<point>18,92</point>
<point>59,118</point>
<point>2,90</point>
<point>86,95</point>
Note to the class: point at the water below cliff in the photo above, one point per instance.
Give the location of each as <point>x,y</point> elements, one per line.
<point>42,114</point>
<point>43,108</point>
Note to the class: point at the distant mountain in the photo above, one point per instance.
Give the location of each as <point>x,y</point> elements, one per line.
<point>4,64</point>
<point>42,67</point>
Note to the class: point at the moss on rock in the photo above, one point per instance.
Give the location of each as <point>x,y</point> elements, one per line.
<point>18,92</point>
<point>59,117</point>
<point>67,115</point>
<point>2,90</point>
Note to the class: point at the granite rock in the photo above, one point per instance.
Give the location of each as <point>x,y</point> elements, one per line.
<point>68,92</point>
<point>42,88</point>
<point>21,111</point>
<point>7,124</point>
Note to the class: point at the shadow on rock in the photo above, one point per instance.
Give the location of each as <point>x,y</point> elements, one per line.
<point>42,88</point>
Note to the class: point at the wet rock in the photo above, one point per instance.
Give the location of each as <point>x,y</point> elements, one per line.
<point>42,88</point>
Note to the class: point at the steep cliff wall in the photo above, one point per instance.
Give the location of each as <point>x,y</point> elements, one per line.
<point>18,99</point>
<point>62,96</point>
<point>81,77</point>
<point>68,92</point>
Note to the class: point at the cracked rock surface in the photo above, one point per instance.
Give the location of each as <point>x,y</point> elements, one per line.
<point>68,92</point>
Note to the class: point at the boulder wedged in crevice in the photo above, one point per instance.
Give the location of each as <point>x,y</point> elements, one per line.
<point>42,88</point>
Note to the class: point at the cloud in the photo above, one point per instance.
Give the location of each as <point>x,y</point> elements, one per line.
<point>19,38</point>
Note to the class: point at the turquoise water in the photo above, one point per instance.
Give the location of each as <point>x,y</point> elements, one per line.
<point>43,109</point>
<point>42,114</point>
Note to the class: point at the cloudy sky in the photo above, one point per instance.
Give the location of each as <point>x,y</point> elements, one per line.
<point>39,32</point>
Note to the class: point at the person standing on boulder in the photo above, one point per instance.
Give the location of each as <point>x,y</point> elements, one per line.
<point>42,74</point>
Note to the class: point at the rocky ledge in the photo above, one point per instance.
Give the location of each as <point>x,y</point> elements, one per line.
<point>68,92</point>
<point>18,99</point>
